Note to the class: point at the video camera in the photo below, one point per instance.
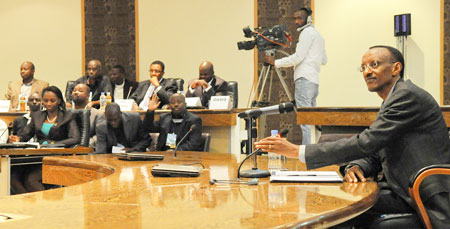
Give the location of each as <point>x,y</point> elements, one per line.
<point>267,39</point>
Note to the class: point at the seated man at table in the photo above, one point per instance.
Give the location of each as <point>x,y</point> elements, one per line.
<point>207,84</point>
<point>408,134</point>
<point>122,88</point>
<point>157,85</point>
<point>123,130</point>
<point>80,98</point>
<point>173,126</point>
<point>96,81</point>
<point>27,86</point>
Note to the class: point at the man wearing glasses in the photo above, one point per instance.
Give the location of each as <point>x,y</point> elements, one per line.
<point>408,134</point>
<point>96,81</point>
<point>157,85</point>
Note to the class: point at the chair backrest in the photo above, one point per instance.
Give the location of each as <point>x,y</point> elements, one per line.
<point>69,88</point>
<point>233,92</point>
<point>82,117</point>
<point>206,138</point>
<point>154,143</point>
<point>178,82</point>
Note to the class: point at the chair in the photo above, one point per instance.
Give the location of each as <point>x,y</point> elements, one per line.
<point>177,81</point>
<point>82,117</point>
<point>206,139</point>
<point>154,143</point>
<point>69,88</point>
<point>233,92</point>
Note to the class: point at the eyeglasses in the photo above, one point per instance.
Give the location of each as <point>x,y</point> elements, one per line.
<point>372,65</point>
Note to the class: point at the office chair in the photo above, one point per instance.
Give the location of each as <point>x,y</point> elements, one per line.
<point>69,88</point>
<point>233,92</point>
<point>82,117</point>
<point>206,139</point>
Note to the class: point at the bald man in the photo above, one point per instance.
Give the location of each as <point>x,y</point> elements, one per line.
<point>27,86</point>
<point>207,84</point>
<point>96,81</point>
<point>121,130</point>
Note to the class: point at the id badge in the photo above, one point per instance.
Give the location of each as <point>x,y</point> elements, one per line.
<point>171,140</point>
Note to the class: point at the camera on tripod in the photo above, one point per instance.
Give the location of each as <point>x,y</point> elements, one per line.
<point>266,39</point>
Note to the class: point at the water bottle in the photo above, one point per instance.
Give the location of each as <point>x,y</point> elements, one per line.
<point>108,98</point>
<point>22,102</point>
<point>274,158</point>
<point>102,101</point>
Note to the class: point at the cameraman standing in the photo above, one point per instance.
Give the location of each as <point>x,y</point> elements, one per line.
<point>309,55</point>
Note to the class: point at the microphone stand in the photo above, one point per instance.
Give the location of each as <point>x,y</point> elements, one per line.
<point>254,172</point>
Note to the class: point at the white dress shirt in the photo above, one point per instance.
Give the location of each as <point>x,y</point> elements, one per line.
<point>309,55</point>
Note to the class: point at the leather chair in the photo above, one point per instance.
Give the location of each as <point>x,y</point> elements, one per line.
<point>82,118</point>
<point>69,88</point>
<point>206,138</point>
<point>154,143</point>
<point>233,92</point>
<point>178,82</point>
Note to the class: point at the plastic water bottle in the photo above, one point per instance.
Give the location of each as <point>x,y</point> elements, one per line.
<point>274,158</point>
<point>102,101</point>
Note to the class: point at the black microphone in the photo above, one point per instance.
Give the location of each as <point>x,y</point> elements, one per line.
<point>276,109</point>
<point>190,130</point>
<point>283,133</point>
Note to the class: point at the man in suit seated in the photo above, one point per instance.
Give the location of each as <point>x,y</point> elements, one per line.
<point>173,126</point>
<point>122,130</point>
<point>157,85</point>
<point>80,98</point>
<point>122,88</point>
<point>96,81</point>
<point>207,84</point>
<point>408,134</point>
<point>27,86</point>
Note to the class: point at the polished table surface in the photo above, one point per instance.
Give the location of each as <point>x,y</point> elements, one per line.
<point>105,192</point>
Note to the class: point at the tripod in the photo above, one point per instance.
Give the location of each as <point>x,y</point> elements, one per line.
<point>263,77</point>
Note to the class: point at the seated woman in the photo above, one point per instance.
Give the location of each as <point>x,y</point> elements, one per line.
<point>54,125</point>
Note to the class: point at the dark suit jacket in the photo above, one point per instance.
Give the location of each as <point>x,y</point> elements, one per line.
<point>126,88</point>
<point>103,84</point>
<point>133,131</point>
<point>64,131</point>
<point>408,134</point>
<point>167,89</point>
<point>164,125</point>
<point>218,87</point>
<point>19,124</point>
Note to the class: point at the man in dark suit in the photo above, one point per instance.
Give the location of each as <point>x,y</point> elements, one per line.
<point>96,81</point>
<point>174,124</point>
<point>207,84</point>
<point>120,129</point>
<point>156,85</point>
<point>408,134</point>
<point>122,88</point>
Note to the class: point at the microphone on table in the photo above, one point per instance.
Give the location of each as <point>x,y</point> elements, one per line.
<point>193,127</point>
<point>275,109</point>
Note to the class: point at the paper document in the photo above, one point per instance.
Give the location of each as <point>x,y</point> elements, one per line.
<point>306,176</point>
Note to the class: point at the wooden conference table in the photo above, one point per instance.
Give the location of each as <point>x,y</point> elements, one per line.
<point>105,192</point>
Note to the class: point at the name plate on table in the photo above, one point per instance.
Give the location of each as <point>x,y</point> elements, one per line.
<point>193,102</point>
<point>4,105</point>
<point>125,104</point>
<point>306,177</point>
<point>220,102</point>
